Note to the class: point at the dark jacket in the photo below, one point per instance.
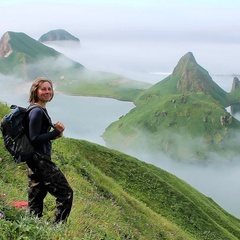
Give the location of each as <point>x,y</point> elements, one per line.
<point>38,131</point>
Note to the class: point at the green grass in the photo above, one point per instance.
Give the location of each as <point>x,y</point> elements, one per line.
<point>185,127</point>
<point>30,59</point>
<point>182,116</point>
<point>101,84</point>
<point>116,196</point>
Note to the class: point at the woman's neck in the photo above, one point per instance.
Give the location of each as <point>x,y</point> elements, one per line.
<point>42,104</point>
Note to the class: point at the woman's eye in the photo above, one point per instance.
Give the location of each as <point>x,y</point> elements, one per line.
<point>44,89</point>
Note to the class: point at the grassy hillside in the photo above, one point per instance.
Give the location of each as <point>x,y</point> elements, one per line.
<point>186,127</point>
<point>28,59</point>
<point>116,196</point>
<point>182,116</point>
<point>102,84</point>
<point>187,77</point>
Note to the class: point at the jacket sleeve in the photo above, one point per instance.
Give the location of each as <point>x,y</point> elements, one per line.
<point>36,133</point>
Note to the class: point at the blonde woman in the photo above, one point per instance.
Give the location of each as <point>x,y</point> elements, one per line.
<point>44,176</point>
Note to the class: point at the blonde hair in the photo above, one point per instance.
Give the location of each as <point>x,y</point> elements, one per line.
<point>34,88</point>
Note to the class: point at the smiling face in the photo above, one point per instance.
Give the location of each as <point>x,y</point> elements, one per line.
<point>44,92</point>
<point>41,91</point>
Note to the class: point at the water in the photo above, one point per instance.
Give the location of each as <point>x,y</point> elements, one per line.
<point>84,117</point>
<point>87,117</point>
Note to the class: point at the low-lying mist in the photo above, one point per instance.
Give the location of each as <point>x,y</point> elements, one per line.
<point>217,179</point>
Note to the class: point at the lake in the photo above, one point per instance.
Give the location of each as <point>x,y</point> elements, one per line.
<point>84,117</point>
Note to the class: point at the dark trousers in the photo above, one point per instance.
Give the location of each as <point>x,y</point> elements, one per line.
<point>45,177</point>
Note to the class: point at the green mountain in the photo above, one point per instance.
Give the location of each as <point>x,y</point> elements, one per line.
<point>187,77</point>
<point>116,196</point>
<point>25,58</point>
<point>182,116</point>
<point>58,35</point>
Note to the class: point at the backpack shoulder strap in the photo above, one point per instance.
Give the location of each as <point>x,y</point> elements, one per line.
<point>32,106</point>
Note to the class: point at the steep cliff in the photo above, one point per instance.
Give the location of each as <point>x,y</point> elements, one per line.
<point>5,47</point>
<point>235,107</point>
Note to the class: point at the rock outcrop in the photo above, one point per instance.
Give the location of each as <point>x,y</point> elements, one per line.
<point>235,84</point>
<point>235,108</point>
<point>187,77</point>
<point>58,35</point>
<point>5,47</point>
<point>192,77</point>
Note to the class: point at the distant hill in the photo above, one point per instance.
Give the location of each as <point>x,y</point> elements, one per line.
<point>25,58</point>
<point>116,196</point>
<point>58,35</point>
<point>182,116</point>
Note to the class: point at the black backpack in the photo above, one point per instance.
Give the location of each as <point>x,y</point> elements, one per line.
<point>14,137</point>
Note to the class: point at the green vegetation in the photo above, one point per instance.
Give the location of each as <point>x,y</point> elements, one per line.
<point>187,77</point>
<point>24,50</point>
<point>102,84</point>
<point>182,116</point>
<point>116,196</point>
<point>186,127</point>
<point>28,59</point>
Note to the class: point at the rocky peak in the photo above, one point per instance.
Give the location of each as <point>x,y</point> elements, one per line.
<point>185,62</point>
<point>5,47</point>
<point>191,76</point>
<point>235,84</point>
<point>58,35</point>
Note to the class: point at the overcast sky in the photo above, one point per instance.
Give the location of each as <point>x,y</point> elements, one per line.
<point>166,29</point>
<point>216,20</point>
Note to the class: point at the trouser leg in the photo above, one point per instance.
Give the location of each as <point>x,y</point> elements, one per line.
<point>36,194</point>
<point>64,198</point>
<point>57,185</point>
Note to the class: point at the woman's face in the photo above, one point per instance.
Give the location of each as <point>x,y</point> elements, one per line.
<point>44,92</point>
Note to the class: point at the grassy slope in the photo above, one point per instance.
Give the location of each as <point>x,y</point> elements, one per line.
<point>187,77</point>
<point>168,124</point>
<point>31,59</point>
<point>25,51</point>
<point>102,84</point>
<point>116,197</point>
<point>183,115</point>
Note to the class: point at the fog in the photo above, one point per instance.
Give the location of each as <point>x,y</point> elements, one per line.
<point>142,40</point>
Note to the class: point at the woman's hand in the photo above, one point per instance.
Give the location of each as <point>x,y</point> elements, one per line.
<point>60,127</point>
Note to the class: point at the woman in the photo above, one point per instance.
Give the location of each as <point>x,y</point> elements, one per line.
<point>44,175</point>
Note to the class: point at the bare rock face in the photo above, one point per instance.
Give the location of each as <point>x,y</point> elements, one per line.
<point>192,77</point>
<point>235,107</point>
<point>58,35</point>
<point>235,84</point>
<point>5,47</point>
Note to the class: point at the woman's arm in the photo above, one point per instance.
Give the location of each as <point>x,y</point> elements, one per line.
<point>38,127</point>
